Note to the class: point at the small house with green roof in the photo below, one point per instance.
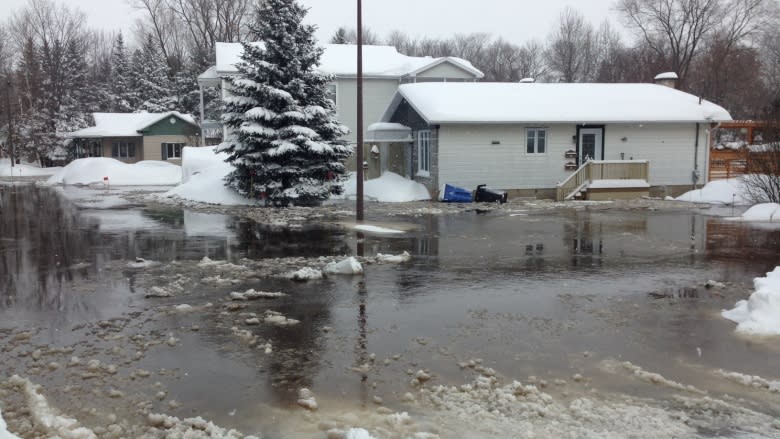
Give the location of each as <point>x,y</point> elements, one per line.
<point>133,137</point>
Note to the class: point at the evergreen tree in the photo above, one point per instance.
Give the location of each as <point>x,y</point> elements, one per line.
<point>286,143</point>
<point>121,97</point>
<point>151,80</point>
<point>77,100</point>
<point>340,36</point>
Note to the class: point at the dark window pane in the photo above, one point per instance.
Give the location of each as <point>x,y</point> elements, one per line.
<point>115,149</point>
<point>542,144</point>
<point>530,147</point>
<point>131,149</point>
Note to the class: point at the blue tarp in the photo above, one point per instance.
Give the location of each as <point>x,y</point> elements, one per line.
<point>452,194</point>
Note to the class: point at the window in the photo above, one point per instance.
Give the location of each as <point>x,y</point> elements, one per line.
<point>424,152</point>
<point>172,150</point>
<point>123,149</point>
<point>536,140</point>
<point>92,148</point>
<point>332,93</point>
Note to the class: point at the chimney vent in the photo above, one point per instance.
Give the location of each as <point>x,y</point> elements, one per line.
<point>668,79</point>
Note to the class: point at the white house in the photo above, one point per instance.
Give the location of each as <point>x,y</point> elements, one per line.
<point>533,139</point>
<point>384,69</point>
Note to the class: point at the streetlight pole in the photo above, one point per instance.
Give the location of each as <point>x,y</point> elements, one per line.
<point>359,207</point>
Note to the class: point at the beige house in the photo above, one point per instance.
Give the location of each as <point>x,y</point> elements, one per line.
<point>133,137</point>
<point>384,70</point>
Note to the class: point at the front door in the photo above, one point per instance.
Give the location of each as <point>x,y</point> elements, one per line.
<point>591,144</point>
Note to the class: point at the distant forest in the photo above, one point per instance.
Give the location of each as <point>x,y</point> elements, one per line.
<point>56,71</point>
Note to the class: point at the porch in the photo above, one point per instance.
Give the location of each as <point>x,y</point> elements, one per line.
<point>388,147</point>
<point>607,180</point>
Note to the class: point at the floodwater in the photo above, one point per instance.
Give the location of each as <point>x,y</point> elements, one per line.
<point>530,292</point>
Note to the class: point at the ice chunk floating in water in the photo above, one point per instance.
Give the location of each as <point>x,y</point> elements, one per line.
<point>4,433</point>
<point>760,314</point>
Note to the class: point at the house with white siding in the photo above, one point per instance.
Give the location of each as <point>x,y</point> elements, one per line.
<point>551,140</point>
<point>384,70</point>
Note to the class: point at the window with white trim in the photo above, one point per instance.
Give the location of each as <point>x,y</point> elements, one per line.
<point>123,150</point>
<point>424,152</point>
<point>172,150</point>
<point>536,140</point>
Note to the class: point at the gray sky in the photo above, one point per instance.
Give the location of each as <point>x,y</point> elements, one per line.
<point>515,20</point>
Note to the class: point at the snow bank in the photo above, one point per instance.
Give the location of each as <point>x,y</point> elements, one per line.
<point>760,314</point>
<point>359,433</point>
<point>767,212</point>
<point>203,175</point>
<point>24,170</point>
<point>389,188</point>
<point>4,433</point>
<point>717,192</point>
<point>92,170</point>
<point>46,418</point>
<point>377,229</point>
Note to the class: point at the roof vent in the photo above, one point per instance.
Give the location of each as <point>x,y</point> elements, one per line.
<point>668,79</point>
<point>527,81</point>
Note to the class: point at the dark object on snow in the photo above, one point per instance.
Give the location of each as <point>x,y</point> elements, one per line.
<point>452,194</point>
<point>485,195</point>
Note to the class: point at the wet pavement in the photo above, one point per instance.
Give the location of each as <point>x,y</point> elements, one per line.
<point>548,293</point>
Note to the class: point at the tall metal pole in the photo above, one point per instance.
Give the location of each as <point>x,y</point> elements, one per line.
<point>359,207</point>
<point>9,133</point>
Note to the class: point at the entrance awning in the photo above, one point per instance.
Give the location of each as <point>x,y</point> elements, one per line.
<point>389,132</point>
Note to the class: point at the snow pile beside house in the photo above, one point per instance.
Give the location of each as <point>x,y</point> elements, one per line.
<point>24,170</point>
<point>718,192</point>
<point>766,212</point>
<point>389,188</point>
<point>93,170</point>
<point>760,314</point>
<point>203,175</point>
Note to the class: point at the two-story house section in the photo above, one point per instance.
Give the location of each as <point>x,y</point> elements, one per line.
<point>384,69</point>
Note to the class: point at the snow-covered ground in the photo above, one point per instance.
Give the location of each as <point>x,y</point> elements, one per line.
<point>765,212</point>
<point>718,192</point>
<point>25,170</point>
<point>203,174</point>
<point>760,314</point>
<point>92,171</point>
<point>389,188</point>
<point>4,433</point>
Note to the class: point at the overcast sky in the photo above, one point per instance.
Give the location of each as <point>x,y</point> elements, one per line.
<point>515,20</point>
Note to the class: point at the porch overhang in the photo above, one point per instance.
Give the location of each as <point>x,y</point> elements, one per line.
<point>389,132</point>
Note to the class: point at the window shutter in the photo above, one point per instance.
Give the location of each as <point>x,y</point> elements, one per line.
<point>164,154</point>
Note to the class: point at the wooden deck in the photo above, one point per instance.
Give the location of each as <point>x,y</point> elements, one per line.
<point>602,170</point>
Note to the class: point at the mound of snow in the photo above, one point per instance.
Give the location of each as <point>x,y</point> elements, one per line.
<point>4,433</point>
<point>760,314</point>
<point>389,188</point>
<point>359,433</point>
<point>203,175</point>
<point>718,192</point>
<point>24,170</point>
<point>347,266</point>
<point>92,170</point>
<point>767,212</point>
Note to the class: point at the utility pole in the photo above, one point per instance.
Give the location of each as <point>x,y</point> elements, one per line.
<point>359,207</point>
<point>10,139</point>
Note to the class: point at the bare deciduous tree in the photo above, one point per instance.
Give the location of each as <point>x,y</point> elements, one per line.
<point>570,54</point>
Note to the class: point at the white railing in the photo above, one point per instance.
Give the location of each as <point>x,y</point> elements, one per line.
<point>602,170</point>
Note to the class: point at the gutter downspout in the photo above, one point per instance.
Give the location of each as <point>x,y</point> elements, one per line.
<point>202,111</point>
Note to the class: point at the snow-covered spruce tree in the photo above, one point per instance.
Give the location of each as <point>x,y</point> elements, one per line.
<point>121,95</point>
<point>286,142</point>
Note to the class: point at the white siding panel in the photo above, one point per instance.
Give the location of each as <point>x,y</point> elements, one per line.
<point>445,70</point>
<point>377,94</point>
<point>669,147</point>
<point>468,158</point>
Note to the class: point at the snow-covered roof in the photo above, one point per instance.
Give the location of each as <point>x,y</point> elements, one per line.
<point>341,60</point>
<point>666,75</point>
<point>126,124</point>
<point>482,102</point>
<point>388,132</point>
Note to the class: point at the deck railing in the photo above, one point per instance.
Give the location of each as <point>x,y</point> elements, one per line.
<point>602,170</point>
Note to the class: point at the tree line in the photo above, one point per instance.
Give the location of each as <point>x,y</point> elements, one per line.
<point>56,70</point>
<point>726,51</point>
